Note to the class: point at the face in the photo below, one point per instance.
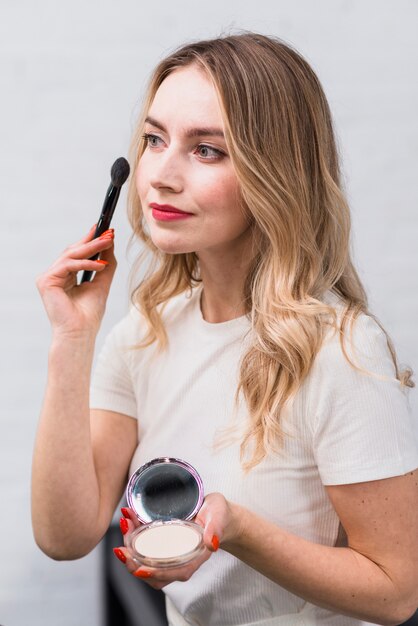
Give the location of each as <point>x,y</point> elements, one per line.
<point>185,179</point>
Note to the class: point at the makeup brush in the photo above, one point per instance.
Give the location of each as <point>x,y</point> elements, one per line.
<point>118,175</point>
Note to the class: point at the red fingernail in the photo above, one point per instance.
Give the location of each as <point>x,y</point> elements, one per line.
<point>125,512</point>
<point>215,542</point>
<point>118,552</point>
<point>102,261</point>
<point>124,526</point>
<point>107,233</point>
<point>142,574</point>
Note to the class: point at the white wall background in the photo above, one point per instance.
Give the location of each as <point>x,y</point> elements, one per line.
<point>72,73</point>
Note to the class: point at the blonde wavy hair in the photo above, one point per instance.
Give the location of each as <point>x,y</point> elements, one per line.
<point>281,142</point>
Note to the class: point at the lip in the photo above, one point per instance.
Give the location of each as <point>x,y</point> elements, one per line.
<point>167,212</point>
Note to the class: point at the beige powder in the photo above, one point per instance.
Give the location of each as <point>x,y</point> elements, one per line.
<point>167,541</point>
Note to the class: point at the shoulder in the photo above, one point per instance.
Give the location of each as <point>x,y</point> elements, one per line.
<point>363,345</point>
<point>129,330</point>
<point>356,409</point>
<point>132,329</point>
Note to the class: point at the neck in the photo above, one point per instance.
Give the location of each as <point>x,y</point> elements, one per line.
<point>221,306</point>
<point>223,278</point>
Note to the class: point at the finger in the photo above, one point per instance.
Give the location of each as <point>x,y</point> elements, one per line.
<point>87,249</point>
<point>165,576</point>
<point>104,279</point>
<point>107,251</point>
<point>130,515</point>
<point>212,542</point>
<point>126,527</point>
<point>125,556</point>
<point>211,538</point>
<point>212,532</point>
<point>121,554</point>
<point>71,266</point>
<point>152,577</point>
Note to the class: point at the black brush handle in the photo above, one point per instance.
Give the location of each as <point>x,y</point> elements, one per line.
<point>109,205</point>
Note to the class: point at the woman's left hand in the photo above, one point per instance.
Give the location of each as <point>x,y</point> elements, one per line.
<point>215,517</point>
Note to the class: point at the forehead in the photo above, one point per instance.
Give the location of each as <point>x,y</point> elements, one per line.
<point>188,96</point>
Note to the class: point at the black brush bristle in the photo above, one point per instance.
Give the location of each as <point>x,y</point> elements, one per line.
<point>119,172</point>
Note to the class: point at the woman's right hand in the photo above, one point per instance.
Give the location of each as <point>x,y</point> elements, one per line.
<point>77,310</point>
<point>158,578</point>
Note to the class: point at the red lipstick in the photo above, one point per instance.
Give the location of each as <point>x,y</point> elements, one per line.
<point>167,213</point>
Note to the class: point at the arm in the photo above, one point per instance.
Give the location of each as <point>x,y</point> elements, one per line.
<point>374,578</point>
<point>79,465</point>
<point>80,469</point>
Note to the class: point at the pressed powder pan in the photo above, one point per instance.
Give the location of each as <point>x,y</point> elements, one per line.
<point>165,494</point>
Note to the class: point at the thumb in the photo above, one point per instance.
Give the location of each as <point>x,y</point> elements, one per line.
<point>211,529</point>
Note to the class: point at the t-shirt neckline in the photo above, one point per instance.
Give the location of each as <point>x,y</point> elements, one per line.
<point>241,322</point>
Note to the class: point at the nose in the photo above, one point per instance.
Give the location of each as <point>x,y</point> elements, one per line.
<point>167,172</point>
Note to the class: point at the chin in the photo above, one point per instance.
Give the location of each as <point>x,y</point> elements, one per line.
<point>171,247</point>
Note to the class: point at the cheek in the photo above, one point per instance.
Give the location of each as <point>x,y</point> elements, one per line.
<point>142,176</point>
<point>139,180</point>
<point>226,200</point>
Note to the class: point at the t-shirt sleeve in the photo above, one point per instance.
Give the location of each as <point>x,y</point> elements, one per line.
<point>363,425</point>
<point>112,385</point>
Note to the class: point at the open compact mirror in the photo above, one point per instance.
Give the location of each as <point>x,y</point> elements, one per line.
<point>165,494</point>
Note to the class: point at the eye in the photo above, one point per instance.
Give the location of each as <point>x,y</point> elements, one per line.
<point>151,140</point>
<point>209,153</point>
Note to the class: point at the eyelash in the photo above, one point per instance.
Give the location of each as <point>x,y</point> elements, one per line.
<point>218,154</point>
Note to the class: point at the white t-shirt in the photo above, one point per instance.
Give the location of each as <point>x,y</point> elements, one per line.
<point>342,427</point>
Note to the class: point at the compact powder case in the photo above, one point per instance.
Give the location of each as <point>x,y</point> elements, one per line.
<point>165,494</point>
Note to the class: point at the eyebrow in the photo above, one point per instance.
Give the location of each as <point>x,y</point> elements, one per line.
<point>204,131</point>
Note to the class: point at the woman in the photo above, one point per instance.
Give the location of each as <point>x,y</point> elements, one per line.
<point>250,354</point>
